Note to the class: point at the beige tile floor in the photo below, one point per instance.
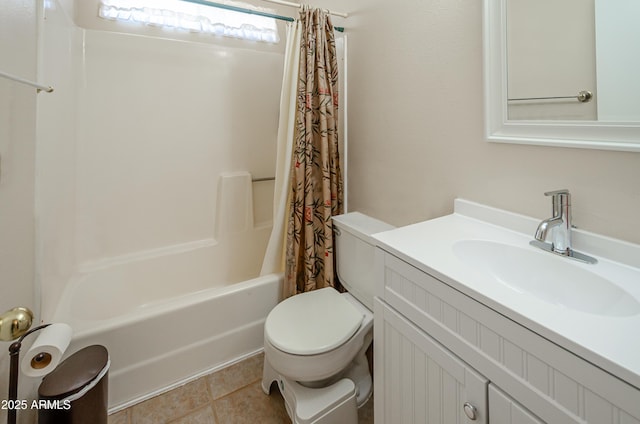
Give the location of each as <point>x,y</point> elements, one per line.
<point>230,396</point>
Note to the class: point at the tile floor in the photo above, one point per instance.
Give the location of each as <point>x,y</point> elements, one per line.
<point>230,396</point>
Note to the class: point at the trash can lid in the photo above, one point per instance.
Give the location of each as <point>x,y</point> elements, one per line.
<point>74,373</point>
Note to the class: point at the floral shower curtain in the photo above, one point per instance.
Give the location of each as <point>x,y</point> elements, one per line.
<point>316,180</point>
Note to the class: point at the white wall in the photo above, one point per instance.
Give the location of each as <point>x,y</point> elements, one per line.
<point>17,144</point>
<point>416,127</point>
<point>159,121</point>
<point>17,141</point>
<point>60,46</point>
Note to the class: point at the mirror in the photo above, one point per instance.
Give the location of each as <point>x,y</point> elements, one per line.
<point>543,56</point>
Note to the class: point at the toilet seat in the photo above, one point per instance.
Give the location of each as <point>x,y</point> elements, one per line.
<point>312,323</point>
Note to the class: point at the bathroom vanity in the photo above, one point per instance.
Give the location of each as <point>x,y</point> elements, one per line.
<point>472,324</point>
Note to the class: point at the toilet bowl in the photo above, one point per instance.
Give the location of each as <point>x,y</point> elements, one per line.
<point>316,342</point>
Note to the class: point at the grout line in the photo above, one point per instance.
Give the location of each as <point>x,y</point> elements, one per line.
<point>216,420</point>
<point>211,399</point>
<point>206,377</point>
<point>200,408</point>
<point>191,411</point>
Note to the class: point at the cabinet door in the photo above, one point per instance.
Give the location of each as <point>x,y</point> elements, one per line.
<point>505,410</point>
<point>420,381</point>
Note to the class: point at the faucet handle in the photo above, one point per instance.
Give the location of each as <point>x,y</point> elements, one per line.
<point>555,193</point>
<point>560,199</point>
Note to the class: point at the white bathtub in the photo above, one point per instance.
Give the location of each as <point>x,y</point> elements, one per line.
<point>171,315</point>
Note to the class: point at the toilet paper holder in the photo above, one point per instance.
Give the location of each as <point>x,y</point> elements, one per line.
<point>14,354</point>
<point>19,320</point>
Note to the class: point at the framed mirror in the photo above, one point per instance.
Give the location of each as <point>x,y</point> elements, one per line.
<point>562,73</point>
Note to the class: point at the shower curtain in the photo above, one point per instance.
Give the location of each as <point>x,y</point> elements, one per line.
<point>316,180</point>
<point>308,186</point>
<point>274,256</point>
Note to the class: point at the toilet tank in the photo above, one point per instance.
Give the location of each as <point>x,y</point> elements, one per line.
<point>355,252</point>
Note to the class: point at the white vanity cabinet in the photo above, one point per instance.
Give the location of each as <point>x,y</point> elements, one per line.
<point>442,357</point>
<point>505,410</point>
<point>423,381</point>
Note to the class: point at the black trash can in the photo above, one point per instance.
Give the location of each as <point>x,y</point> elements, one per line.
<point>76,392</point>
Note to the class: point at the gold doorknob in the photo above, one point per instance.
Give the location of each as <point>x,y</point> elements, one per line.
<point>14,323</point>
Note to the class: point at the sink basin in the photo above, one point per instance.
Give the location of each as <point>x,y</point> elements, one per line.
<point>550,278</point>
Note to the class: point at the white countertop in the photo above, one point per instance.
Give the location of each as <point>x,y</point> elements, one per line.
<point>611,343</point>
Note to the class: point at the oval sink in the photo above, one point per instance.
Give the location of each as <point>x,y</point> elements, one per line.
<point>547,277</point>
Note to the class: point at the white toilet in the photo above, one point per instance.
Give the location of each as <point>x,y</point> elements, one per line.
<point>315,342</point>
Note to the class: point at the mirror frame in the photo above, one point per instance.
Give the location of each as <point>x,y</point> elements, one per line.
<point>623,136</point>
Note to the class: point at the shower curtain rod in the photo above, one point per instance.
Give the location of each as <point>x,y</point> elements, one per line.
<point>257,12</point>
<point>290,4</point>
<point>39,87</point>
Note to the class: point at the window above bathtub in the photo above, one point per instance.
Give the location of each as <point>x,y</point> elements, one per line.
<point>191,17</point>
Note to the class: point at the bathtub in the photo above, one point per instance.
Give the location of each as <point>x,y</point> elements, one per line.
<point>169,317</point>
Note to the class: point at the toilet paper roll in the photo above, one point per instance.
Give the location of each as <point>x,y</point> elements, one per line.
<point>47,350</point>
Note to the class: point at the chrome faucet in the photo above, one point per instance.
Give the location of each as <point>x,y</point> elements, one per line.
<point>560,227</point>
<point>559,223</point>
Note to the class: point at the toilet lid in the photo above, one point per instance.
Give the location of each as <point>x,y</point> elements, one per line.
<point>312,323</point>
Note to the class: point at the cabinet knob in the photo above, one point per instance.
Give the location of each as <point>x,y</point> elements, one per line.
<point>470,411</point>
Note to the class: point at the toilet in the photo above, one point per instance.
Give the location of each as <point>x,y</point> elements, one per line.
<point>315,343</point>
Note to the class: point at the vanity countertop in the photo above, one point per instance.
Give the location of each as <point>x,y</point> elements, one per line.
<point>610,342</point>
